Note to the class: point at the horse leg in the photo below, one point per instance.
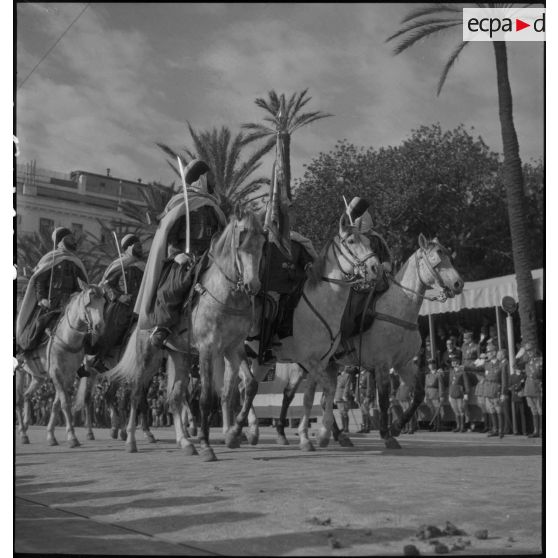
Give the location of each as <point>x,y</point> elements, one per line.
<point>383,401</point>
<point>143,411</point>
<point>51,439</point>
<point>288,395</point>
<point>23,402</point>
<point>308,401</point>
<point>177,378</point>
<point>110,398</point>
<point>131,444</point>
<point>206,377</point>
<point>88,384</point>
<point>418,398</point>
<point>231,431</point>
<point>62,386</point>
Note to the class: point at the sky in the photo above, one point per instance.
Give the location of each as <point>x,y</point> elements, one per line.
<point>128,75</point>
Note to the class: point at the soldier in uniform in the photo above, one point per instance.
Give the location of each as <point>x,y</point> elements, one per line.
<point>451,349</point>
<point>517,381</point>
<point>169,271</point>
<point>533,387</point>
<point>459,391</point>
<point>434,389</point>
<point>495,385</point>
<point>366,395</point>
<point>55,279</point>
<point>344,394</point>
<point>469,354</point>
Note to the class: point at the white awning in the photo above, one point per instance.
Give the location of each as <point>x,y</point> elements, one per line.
<point>482,294</point>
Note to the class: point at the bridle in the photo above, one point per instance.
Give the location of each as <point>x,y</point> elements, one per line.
<point>432,260</point>
<point>237,282</point>
<point>358,278</point>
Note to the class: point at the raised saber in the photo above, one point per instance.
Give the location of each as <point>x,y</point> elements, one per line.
<point>185,192</point>
<point>121,262</point>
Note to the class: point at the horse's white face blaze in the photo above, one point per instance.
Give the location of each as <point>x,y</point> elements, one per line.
<point>95,308</point>
<point>356,248</point>
<point>250,246</point>
<point>439,258</point>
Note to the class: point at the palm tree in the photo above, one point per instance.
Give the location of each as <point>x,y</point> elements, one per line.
<point>284,118</point>
<point>223,153</point>
<point>421,23</point>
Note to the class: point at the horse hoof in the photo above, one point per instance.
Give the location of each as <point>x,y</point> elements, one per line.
<point>253,438</point>
<point>395,430</point>
<point>193,431</point>
<point>190,450</point>
<point>243,437</point>
<point>123,436</point>
<point>25,439</point>
<point>150,438</point>
<point>90,436</point>
<point>52,442</point>
<point>282,441</point>
<point>73,443</point>
<point>114,433</point>
<point>307,446</point>
<point>232,440</point>
<point>392,443</point>
<point>207,455</point>
<point>323,441</point>
<point>131,447</point>
<point>345,441</point>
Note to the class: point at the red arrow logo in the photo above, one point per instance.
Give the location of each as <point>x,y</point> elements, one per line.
<point>519,24</point>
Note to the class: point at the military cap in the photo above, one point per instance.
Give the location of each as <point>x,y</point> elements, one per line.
<point>128,240</point>
<point>59,233</point>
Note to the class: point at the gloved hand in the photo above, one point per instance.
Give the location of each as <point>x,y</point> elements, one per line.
<point>44,302</point>
<point>125,299</point>
<point>387,267</point>
<point>184,259</point>
<point>466,397</point>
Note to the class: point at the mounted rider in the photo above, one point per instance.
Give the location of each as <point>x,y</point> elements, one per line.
<point>121,281</point>
<point>169,271</point>
<point>358,211</point>
<point>54,280</point>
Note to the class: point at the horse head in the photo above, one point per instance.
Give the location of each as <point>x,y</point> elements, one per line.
<point>435,268</point>
<point>354,249</point>
<point>239,251</point>
<point>92,308</point>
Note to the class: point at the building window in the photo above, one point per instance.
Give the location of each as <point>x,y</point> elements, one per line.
<point>46,226</point>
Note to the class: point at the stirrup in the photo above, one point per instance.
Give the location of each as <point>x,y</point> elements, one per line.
<point>159,336</point>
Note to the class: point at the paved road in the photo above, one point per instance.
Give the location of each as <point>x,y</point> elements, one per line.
<point>277,500</point>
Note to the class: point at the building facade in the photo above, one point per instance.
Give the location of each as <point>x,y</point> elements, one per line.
<point>47,199</point>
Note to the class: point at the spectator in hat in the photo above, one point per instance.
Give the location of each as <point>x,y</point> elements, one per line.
<point>433,392</point>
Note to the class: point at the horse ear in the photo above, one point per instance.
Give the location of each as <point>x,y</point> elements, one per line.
<point>82,284</point>
<point>423,243</point>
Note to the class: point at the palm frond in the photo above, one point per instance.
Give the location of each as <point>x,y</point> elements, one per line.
<point>421,23</point>
<point>449,64</point>
<point>308,118</point>
<point>434,9</point>
<point>422,33</point>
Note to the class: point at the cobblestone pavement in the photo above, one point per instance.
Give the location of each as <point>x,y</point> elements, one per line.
<point>277,500</point>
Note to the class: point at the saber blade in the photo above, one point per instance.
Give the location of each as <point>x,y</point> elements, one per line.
<point>185,192</point>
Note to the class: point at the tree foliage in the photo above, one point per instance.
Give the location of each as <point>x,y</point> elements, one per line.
<point>441,183</point>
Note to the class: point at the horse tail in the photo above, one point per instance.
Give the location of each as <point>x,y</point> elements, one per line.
<point>139,358</point>
<point>85,389</point>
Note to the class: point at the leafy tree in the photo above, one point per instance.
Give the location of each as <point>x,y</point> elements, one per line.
<point>223,153</point>
<point>284,117</point>
<point>447,184</point>
<point>423,22</point>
